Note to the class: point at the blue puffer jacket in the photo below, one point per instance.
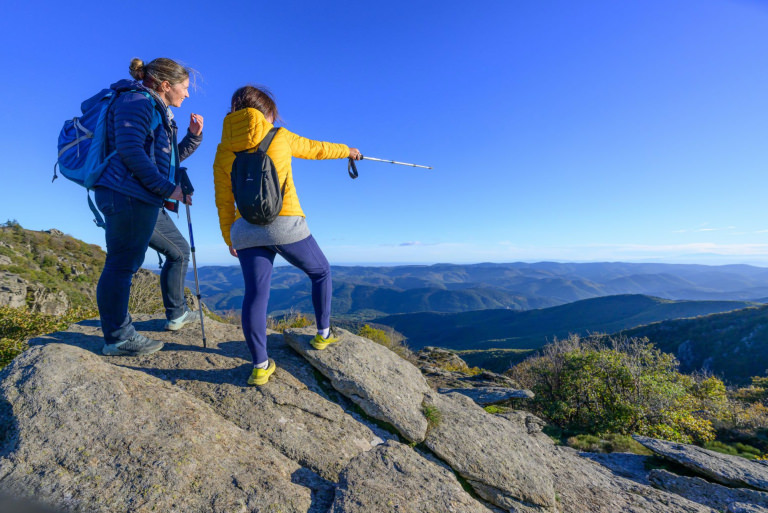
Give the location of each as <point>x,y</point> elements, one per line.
<point>133,171</point>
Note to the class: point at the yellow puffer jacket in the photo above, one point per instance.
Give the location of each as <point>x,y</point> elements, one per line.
<point>244,129</point>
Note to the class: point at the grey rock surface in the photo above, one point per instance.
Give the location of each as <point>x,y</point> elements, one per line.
<point>585,486</point>
<point>528,421</point>
<point>723,468</point>
<point>503,464</point>
<point>13,290</point>
<point>713,495</point>
<point>489,395</point>
<point>86,435</point>
<point>384,385</point>
<point>420,486</point>
<point>292,412</point>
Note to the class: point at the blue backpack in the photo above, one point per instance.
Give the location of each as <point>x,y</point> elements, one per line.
<point>83,143</point>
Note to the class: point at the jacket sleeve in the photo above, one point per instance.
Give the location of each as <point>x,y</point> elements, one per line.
<point>133,116</point>
<point>189,144</point>
<point>225,199</point>
<point>304,148</point>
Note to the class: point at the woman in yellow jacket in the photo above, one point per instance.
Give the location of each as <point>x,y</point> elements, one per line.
<point>251,118</point>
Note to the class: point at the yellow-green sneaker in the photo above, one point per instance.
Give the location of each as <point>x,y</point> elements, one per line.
<point>261,376</point>
<point>321,343</point>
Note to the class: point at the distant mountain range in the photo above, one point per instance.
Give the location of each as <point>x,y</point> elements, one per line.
<point>368,292</point>
<point>506,329</point>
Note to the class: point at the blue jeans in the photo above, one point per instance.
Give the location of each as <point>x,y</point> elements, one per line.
<point>167,240</point>
<point>130,223</point>
<point>256,264</point>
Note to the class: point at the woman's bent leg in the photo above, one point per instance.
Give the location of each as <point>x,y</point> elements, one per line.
<point>129,225</point>
<point>167,239</point>
<point>307,256</point>
<point>256,264</point>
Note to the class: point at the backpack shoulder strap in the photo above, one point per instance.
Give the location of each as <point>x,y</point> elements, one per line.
<point>264,145</point>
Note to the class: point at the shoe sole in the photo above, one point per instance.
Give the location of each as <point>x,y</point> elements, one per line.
<point>116,351</point>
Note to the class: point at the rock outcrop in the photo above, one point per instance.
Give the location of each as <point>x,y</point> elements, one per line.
<point>179,430</point>
<point>16,292</point>
<point>384,385</point>
<point>13,290</point>
<point>88,435</point>
<point>722,468</point>
<point>719,497</point>
<point>367,485</point>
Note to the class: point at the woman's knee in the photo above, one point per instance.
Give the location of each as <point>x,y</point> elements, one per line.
<point>320,272</point>
<point>178,252</point>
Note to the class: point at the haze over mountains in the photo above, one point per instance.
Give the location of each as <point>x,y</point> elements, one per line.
<point>368,292</point>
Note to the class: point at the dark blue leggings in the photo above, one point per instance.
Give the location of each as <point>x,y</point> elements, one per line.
<point>256,263</point>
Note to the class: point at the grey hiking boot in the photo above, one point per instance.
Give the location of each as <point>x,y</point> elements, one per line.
<point>178,323</point>
<point>134,346</point>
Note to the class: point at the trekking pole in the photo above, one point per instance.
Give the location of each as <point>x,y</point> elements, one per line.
<point>352,168</point>
<point>186,188</point>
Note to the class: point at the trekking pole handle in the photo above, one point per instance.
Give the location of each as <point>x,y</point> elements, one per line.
<point>185,183</point>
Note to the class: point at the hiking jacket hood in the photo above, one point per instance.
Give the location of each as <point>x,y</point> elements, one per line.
<point>243,130</point>
<point>145,164</point>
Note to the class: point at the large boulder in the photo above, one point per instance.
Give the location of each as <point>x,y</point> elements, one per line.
<point>722,468</point>
<point>504,465</point>
<point>384,385</point>
<point>420,486</point>
<point>292,412</point>
<point>86,435</point>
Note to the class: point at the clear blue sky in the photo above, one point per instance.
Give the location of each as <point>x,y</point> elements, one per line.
<point>632,130</point>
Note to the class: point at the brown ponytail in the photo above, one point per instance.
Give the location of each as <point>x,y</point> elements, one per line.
<point>158,71</point>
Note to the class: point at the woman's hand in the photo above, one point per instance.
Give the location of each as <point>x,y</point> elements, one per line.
<point>233,251</point>
<point>196,124</point>
<point>178,195</point>
<point>355,154</point>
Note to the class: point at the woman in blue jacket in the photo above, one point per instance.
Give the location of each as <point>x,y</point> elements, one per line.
<point>131,191</point>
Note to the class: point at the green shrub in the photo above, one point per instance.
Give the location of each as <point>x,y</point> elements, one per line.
<point>736,449</point>
<point>18,325</point>
<point>389,340</point>
<point>433,416</point>
<point>494,409</point>
<point>611,442</point>
<point>617,385</point>
<point>291,320</point>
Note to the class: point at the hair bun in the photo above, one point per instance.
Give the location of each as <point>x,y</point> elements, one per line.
<point>137,68</point>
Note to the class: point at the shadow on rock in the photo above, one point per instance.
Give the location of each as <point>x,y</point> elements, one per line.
<point>234,376</point>
<point>323,491</point>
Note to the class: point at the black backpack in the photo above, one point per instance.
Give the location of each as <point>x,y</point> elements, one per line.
<point>255,184</point>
